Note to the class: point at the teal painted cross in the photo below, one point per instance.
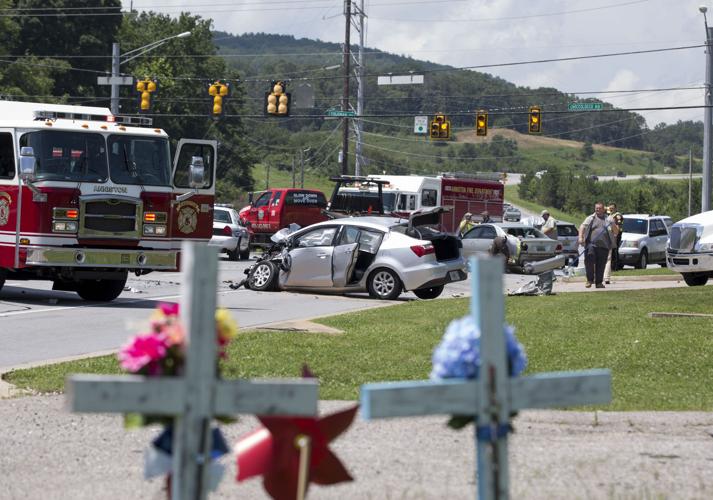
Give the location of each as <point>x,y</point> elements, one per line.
<point>493,396</point>
<point>195,398</point>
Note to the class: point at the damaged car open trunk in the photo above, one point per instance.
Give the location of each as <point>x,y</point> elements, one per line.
<point>426,225</point>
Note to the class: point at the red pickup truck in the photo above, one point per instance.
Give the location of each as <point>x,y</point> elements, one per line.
<point>277,208</point>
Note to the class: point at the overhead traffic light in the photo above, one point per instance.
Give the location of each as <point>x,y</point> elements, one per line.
<point>277,100</point>
<point>535,120</point>
<point>145,88</point>
<point>218,91</point>
<point>440,128</point>
<point>481,123</point>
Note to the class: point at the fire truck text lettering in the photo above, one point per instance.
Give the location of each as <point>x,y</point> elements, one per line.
<point>110,189</point>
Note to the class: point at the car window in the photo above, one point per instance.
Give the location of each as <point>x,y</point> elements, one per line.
<point>668,223</point>
<point>221,216</point>
<point>276,199</point>
<point>350,234</point>
<point>320,237</point>
<point>306,198</point>
<point>567,230</point>
<point>263,200</point>
<point>481,232</point>
<point>658,228</point>
<point>369,241</point>
<point>636,226</point>
<point>525,232</point>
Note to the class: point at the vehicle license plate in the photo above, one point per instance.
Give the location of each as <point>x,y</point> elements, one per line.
<point>454,275</point>
<point>540,249</point>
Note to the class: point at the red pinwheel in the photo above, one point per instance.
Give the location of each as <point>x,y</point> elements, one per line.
<point>273,452</point>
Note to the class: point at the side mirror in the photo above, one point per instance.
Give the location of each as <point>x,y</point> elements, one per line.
<point>27,163</point>
<point>197,172</point>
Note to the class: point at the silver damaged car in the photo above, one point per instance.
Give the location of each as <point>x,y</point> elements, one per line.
<point>384,256</point>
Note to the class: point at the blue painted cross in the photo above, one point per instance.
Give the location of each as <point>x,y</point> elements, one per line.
<point>493,396</point>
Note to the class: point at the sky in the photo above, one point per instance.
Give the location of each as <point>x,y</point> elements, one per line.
<point>475,32</point>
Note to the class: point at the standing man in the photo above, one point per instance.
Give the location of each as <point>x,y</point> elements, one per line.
<point>597,236</point>
<point>466,224</point>
<point>549,227</point>
<point>615,219</point>
<point>486,217</point>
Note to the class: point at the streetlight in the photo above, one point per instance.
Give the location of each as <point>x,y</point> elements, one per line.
<point>117,60</point>
<point>707,117</point>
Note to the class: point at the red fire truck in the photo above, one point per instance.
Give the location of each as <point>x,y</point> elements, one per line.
<point>461,192</point>
<point>87,197</point>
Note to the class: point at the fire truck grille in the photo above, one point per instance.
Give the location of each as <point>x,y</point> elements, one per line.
<point>110,218</point>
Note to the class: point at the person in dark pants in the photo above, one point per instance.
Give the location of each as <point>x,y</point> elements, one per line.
<point>597,234</point>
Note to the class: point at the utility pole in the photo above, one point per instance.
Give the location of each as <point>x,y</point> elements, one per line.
<point>359,160</point>
<point>302,166</point>
<point>707,119</point>
<point>345,94</point>
<point>267,178</point>
<point>115,63</point>
<point>690,178</point>
<point>293,170</point>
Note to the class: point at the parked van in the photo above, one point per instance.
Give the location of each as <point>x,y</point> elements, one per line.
<point>277,208</point>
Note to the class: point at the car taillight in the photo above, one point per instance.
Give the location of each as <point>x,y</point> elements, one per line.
<point>227,231</point>
<point>422,250</point>
<point>558,248</point>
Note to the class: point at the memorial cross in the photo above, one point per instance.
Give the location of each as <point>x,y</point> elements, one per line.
<point>493,396</point>
<point>195,398</point>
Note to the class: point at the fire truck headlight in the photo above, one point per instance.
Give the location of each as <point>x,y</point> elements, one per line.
<point>64,227</point>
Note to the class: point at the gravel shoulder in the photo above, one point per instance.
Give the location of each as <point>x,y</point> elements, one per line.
<point>50,453</point>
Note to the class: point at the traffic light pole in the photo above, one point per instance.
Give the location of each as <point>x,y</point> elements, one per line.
<point>345,94</point>
<point>707,123</point>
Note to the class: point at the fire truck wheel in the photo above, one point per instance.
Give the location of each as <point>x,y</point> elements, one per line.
<point>100,290</point>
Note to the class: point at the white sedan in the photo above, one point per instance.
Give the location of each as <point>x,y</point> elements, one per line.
<point>525,243</point>
<point>384,256</point>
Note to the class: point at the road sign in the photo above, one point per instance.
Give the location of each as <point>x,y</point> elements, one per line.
<point>585,106</point>
<point>420,124</point>
<point>399,80</point>
<point>115,80</point>
<point>337,112</point>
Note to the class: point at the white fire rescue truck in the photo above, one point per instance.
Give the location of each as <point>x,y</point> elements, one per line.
<point>87,197</point>
<point>461,192</point>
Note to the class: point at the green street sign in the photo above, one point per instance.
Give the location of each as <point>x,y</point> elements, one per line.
<point>585,106</point>
<point>337,112</point>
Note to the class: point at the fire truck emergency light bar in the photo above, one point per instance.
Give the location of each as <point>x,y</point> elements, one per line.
<point>138,121</point>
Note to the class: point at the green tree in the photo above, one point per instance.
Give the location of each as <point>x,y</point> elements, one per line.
<point>587,152</point>
<point>184,68</point>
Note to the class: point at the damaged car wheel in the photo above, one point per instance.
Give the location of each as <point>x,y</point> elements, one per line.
<point>429,293</point>
<point>263,277</point>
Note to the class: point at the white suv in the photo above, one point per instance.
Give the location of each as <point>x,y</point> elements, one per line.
<point>644,239</point>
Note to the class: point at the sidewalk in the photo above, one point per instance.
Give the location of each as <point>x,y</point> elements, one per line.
<point>49,453</point>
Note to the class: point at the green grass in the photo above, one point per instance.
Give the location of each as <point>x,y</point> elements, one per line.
<point>283,179</point>
<point>656,363</point>
<point>512,196</point>
<point>652,271</point>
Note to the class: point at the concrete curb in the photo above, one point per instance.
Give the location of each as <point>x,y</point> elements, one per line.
<point>8,390</point>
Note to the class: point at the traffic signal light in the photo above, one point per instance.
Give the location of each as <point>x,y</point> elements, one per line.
<point>218,91</point>
<point>145,88</point>
<point>277,101</point>
<point>440,128</point>
<point>535,120</point>
<point>481,123</point>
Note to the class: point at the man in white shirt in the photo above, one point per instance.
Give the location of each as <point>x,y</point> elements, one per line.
<point>549,227</point>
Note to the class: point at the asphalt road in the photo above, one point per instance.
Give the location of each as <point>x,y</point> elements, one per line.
<point>40,325</point>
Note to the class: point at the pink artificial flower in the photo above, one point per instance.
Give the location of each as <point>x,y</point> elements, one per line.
<point>168,308</point>
<point>144,351</point>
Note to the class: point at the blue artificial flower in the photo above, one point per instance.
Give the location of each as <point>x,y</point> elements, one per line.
<point>458,354</point>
